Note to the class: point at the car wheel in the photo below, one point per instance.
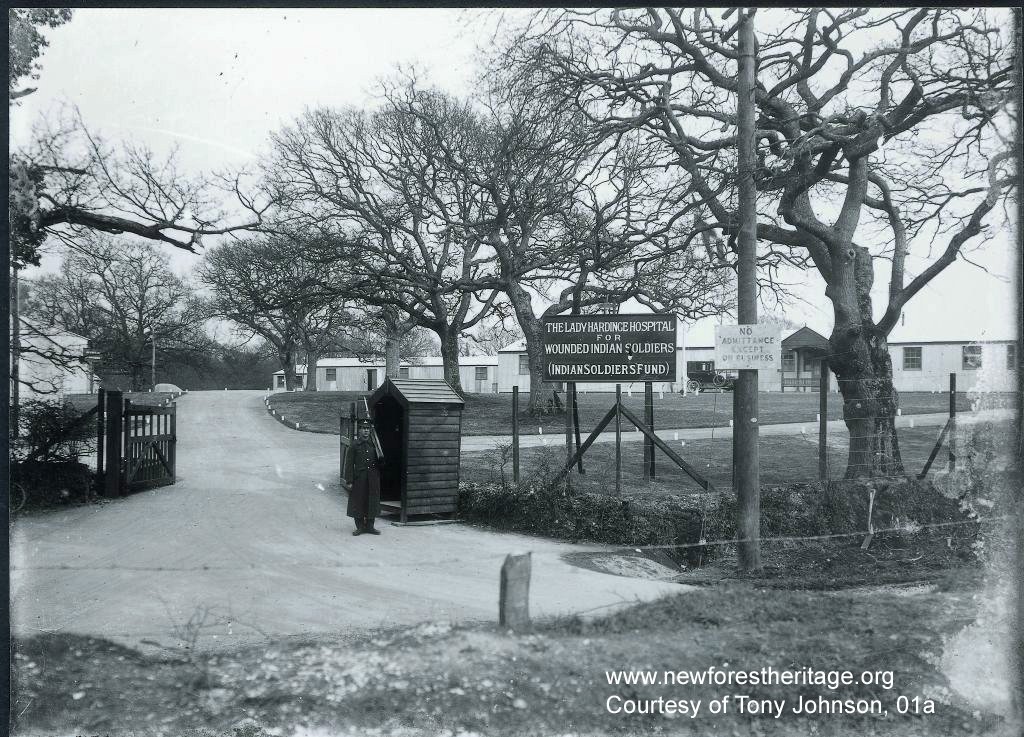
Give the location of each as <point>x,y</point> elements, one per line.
<point>693,386</point>
<point>718,381</point>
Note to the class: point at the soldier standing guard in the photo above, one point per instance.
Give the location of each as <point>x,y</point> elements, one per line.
<point>362,471</point>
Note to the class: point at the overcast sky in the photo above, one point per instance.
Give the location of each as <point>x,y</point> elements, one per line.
<point>217,82</point>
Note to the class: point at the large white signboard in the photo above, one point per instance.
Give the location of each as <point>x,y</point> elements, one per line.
<point>756,347</point>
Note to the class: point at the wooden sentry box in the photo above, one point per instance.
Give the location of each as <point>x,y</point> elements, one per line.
<point>419,424</point>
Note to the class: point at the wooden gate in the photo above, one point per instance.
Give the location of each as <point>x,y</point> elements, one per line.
<point>138,445</point>
<point>149,446</point>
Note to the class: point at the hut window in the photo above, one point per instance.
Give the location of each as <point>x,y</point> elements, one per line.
<point>403,372</point>
<point>481,373</point>
<point>971,357</point>
<point>789,361</point>
<point>1011,356</point>
<point>280,381</point>
<point>912,358</point>
<point>524,364</point>
<point>332,374</point>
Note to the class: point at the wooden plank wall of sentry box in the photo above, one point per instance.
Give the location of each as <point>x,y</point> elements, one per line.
<point>431,441</point>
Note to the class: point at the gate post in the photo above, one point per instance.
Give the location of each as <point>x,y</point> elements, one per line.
<point>115,423</point>
<point>173,445</point>
<point>101,407</point>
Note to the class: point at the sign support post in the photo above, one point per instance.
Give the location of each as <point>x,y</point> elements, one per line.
<point>746,463</point>
<point>576,425</point>
<point>568,425</point>
<point>618,439</point>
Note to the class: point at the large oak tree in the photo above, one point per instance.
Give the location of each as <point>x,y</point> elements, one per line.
<point>880,134</point>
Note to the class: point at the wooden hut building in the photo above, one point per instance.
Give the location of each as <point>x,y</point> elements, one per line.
<point>419,424</point>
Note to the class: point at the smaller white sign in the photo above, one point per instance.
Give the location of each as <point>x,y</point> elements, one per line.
<point>757,347</point>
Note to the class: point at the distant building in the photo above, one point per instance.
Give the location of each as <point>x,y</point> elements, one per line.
<point>980,365</point>
<point>921,365</point>
<point>52,363</point>
<point>478,374</point>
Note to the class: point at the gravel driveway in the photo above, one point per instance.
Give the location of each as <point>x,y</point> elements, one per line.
<point>253,542</point>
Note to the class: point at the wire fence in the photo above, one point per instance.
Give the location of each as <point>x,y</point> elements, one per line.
<point>420,562</point>
<point>811,443</point>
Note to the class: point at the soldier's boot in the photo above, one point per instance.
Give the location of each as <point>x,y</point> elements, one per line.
<point>370,529</point>
<point>359,526</point>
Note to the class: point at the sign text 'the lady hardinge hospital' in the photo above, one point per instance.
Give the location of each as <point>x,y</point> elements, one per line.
<point>612,348</point>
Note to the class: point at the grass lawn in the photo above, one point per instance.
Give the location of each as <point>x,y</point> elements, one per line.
<point>491,414</point>
<point>435,679</point>
<point>784,459</point>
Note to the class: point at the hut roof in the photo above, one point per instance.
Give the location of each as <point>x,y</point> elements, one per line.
<point>805,338</point>
<point>417,391</point>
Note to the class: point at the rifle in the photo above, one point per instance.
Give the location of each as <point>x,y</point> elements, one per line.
<point>373,431</point>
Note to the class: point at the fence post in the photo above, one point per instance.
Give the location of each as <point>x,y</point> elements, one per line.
<point>515,434</point>
<point>115,422</point>
<point>101,409</point>
<point>576,425</point>
<point>952,421</point>
<point>618,439</point>
<point>823,423</point>
<point>649,419</point>
<point>514,593</point>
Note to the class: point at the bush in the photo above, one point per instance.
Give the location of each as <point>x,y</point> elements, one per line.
<point>50,431</point>
<point>45,470</point>
<point>49,484</point>
<point>797,510</point>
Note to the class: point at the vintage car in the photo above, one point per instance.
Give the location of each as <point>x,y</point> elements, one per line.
<point>701,376</point>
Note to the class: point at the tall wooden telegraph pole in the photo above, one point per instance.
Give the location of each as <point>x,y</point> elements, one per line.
<point>746,464</point>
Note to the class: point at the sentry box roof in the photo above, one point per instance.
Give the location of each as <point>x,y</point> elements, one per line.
<point>417,391</point>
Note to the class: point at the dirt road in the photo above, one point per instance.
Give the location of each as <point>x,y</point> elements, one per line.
<point>253,541</point>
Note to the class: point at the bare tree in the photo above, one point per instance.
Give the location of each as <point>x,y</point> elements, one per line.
<point>568,220</point>
<point>391,212</point>
<point>834,88</point>
<point>69,182</point>
<point>270,288</point>
<point>121,296</point>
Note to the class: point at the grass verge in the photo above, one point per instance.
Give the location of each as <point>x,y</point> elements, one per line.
<point>491,414</point>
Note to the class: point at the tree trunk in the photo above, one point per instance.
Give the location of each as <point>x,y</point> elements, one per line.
<point>135,377</point>
<point>533,332</point>
<point>311,361</point>
<point>393,333</point>
<point>288,366</point>
<point>859,357</point>
<point>450,359</point>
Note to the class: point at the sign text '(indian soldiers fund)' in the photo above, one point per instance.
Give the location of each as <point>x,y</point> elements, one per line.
<point>612,348</point>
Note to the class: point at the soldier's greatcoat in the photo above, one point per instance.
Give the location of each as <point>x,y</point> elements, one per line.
<point>362,471</point>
